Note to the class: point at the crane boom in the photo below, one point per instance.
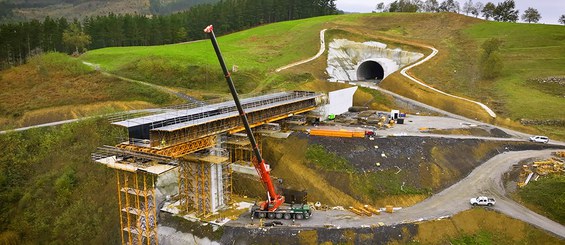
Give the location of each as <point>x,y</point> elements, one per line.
<point>274,200</point>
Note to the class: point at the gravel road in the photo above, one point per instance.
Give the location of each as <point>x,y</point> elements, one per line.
<point>484,180</point>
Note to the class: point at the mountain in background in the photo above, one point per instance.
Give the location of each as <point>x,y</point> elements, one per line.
<point>21,10</point>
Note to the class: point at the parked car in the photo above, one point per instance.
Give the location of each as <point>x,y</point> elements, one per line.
<point>482,201</point>
<point>539,139</point>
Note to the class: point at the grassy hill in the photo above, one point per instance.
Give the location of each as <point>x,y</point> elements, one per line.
<point>54,87</point>
<point>529,52</point>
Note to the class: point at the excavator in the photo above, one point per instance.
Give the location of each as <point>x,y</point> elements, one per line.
<point>273,207</point>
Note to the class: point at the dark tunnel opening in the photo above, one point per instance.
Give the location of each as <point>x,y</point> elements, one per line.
<point>370,70</point>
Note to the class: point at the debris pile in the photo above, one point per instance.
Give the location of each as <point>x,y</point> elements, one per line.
<point>533,171</point>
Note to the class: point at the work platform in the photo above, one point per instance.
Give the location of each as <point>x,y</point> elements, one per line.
<point>178,126</point>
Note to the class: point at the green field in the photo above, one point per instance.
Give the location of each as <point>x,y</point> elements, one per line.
<point>263,48</point>
<point>529,51</point>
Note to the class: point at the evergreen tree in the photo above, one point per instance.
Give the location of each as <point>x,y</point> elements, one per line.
<point>75,37</point>
<point>18,41</point>
<point>403,6</point>
<point>562,19</point>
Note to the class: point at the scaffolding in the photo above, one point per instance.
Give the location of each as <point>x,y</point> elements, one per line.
<point>239,149</point>
<point>204,181</point>
<point>176,150</point>
<point>185,138</point>
<point>137,205</point>
<point>135,178</point>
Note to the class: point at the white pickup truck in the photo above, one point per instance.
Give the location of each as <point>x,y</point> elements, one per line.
<point>482,201</point>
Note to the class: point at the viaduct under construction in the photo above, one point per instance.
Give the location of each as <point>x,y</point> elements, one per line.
<point>198,141</point>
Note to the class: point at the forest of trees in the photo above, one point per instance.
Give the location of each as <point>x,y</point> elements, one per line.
<point>503,11</point>
<point>19,41</point>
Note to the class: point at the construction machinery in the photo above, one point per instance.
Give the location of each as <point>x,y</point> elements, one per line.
<point>273,207</point>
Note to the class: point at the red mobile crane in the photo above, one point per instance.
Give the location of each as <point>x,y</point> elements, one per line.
<point>271,208</point>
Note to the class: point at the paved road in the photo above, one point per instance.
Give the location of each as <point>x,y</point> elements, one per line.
<point>82,118</point>
<point>513,133</point>
<point>485,179</point>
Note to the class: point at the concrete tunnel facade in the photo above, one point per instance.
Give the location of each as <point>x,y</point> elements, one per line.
<point>370,70</point>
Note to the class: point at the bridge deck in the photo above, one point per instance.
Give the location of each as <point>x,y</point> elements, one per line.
<point>177,126</point>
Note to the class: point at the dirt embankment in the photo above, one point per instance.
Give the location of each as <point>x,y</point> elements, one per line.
<point>433,163</point>
<point>406,169</point>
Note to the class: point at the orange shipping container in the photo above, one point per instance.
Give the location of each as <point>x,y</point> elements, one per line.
<point>337,133</point>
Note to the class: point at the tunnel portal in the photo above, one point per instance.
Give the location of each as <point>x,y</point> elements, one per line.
<point>370,70</point>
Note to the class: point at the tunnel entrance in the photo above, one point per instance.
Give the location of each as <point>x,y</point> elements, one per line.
<point>370,70</point>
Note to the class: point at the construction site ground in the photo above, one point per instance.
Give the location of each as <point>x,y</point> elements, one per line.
<point>487,179</point>
<point>408,147</point>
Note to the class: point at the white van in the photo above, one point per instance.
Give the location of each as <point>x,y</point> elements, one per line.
<point>539,139</point>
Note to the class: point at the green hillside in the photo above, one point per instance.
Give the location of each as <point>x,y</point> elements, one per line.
<point>528,52</point>
<point>54,86</point>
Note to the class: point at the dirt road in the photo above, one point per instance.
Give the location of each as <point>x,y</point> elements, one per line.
<point>484,180</point>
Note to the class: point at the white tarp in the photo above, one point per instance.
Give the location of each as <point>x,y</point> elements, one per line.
<point>339,102</point>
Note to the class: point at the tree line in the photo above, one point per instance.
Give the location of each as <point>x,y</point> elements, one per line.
<point>19,41</point>
<point>504,11</point>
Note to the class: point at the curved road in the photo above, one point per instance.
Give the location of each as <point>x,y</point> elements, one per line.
<point>162,88</point>
<point>483,180</point>
<point>434,52</point>
<point>402,72</point>
<point>320,52</point>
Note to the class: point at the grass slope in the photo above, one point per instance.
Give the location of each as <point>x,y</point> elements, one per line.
<point>528,51</point>
<point>547,196</point>
<point>54,86</point>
